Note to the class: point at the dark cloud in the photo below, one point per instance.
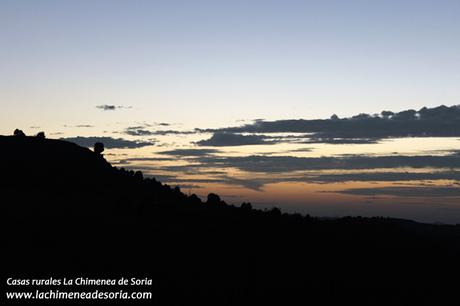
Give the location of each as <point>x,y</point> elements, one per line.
<point>138,131</point>
<point>230,139</point>
<point>79,126</point>
<point>188,186</point>
<point>425,169</point>
<point>405,191</point>
<point>301,150</point>
<point>190,152</point>
<point>273,164</point>
<point>342,140</point>
<point>440,121</point>
<point>386,176</point>
<point>109,142</point>
<point>257,183</point>
<point>147,124</point>
<point>136,160</point>
<point>308,170</point>
<point>253,184</point>
<point>311,139</point>
<point>143,131</point>
<point>126,161</point>
<point>107,107</point>
<point>174,132</point>
<point>278,164</point>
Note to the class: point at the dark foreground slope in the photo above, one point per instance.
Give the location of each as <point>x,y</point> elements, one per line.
<point>66,212</point>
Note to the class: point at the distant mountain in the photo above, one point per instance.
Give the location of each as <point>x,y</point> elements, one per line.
<point>66,211</point>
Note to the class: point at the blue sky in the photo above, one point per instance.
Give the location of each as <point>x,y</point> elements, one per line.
<point>210,63</point>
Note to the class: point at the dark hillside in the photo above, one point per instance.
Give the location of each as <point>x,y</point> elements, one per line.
<point>65,210</point>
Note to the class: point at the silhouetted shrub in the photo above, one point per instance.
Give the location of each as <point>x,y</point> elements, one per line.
<point>41,135</point>
<point>19,133</point>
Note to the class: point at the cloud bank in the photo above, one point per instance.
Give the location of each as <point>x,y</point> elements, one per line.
<point>221,139</point>
<point>441,121</point>
<point>109,142</point>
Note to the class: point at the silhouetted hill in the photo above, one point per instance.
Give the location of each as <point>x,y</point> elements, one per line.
<point>66,211</point>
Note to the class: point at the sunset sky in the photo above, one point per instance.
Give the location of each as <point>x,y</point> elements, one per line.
<point>183,90</point>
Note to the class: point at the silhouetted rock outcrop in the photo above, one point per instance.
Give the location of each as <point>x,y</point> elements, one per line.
<point>98,147</point>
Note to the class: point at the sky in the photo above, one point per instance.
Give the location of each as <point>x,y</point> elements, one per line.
<point>103,68</point>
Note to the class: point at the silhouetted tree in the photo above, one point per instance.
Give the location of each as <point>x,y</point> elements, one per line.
<point>335,117</point>
<point>387,114</point>
<point>19,133</point>
<point>194,199</point>
<point>40,135</point>
<point>275,211</point>
<point>213,199</point>
<point>98,147</point>
<point>362,116</point>
<point>246,206</point>
<point>406,115</point>
<point>138,175</point>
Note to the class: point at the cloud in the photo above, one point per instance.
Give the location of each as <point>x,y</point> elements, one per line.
<point>109,142</point>
<point>274,164</point>
<point>189,186</point>
<point>143,131</point>
<point>138,131</point>
<point>190,152</point>
<point>131,159</point>
<point>405,191</point>
<point>258,182</point>
<point>276,169</point>
<point>253,184</point>
<point>107,107</point>
<point>387,176</point>
<point>342,140</point>
<point>439,121</point>
<point>230,139</point>
<point>300,150</point>
<point>79,126</point>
